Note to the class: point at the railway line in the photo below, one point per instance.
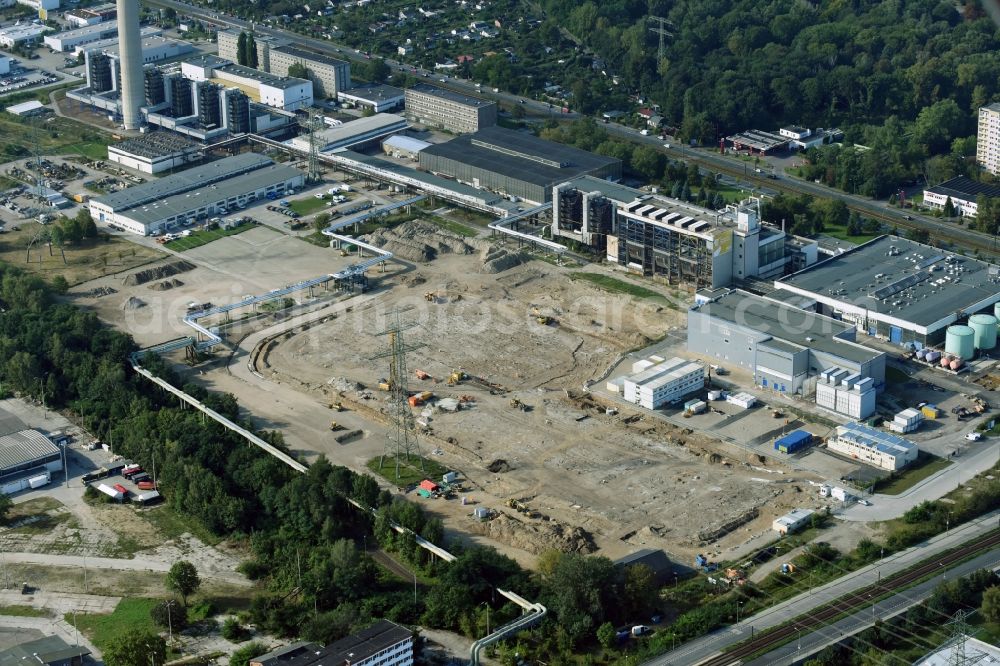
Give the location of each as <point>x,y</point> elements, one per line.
<point>849,603</point>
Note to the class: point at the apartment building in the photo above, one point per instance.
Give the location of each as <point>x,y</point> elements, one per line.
<point>448,110</point>
<point>988,138</point>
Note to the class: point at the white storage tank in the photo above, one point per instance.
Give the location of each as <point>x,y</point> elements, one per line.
<point>996,310</point>
<point>984,328</point>
<point>961,341</point>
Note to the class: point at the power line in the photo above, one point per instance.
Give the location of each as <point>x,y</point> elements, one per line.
<point>661,30</point>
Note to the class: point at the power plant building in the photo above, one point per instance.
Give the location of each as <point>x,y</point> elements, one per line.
<point>514,164</point>
<point>448,110</point>
<point>898,290</point>
<point>195,194</point>
<point>279,92</point>
<point>155,152</point>
<point>353,134</point>
<point>785,348</point>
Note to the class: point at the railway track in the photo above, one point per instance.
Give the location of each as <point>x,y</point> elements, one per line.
<point>847,604</point>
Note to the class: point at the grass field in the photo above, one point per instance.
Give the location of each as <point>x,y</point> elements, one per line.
<point>840,232</point>
<point>608,283</point>
<point>129,614</point>
<point>307,205</point>
<point>925,465</point>
<point>23,611</point>
<point>454,227</point>
<point>86,261</point>
<point>409,474</point>
<point>199,238</point>
<point>54,136</point>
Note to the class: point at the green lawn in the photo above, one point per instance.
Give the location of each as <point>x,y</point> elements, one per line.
<point>308,205</point>
<point>408,474</point>
<point>925,465</point>
<point>199,238</point>
<point>608,283</point>
<point>102,628</point>
<point>840,232</point>
<point>454,227</point>
<point>23,611</point>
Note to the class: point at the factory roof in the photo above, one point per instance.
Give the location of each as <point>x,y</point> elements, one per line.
<point>151,42</point>
<point>405,143</point>
<point>272,80</point>
<point>186,202</point>
<point>964,188</point>
<point>95,29</point>
<point>285,653</point>
<point>155,144</point>
<point>354,132</point>
<point>970,651</point>
<point>184,181</point>
<point>110,45</point>
<point>614,191</point>
<point>42,651</point>
<point>758,140</point>
<point>371,92</point>
<point>24,446</point>
<point>450,95</point>
<point>907,281</point>
<point>311,56</point>
<point>365,643</point>
<point>881,441</point>
<point>786,327</point>
<point>422,176</point>
<point>25,108</point>
<point>21,32</point>
<point>520,156</point>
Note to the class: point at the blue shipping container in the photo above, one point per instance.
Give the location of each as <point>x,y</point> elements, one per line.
<point>793,441</point>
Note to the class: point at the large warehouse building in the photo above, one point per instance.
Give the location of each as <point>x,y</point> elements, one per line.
<point>785,348</point>
<point>24,454</point>
<point>196,194</point>
<point>899,290</point>
<point>448,110</point>
<point>514,164</point>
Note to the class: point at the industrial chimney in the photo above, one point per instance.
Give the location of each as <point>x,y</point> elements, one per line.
<point>130,52</point>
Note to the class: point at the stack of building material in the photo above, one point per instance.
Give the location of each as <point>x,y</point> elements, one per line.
<point>907,420</point>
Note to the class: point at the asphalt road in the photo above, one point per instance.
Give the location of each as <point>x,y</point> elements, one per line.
<point>804,646</point>
<point>707,646</point>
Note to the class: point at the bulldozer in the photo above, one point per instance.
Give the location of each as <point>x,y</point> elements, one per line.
<point>334,426</point>
<point>337,406</point>
<point>456,377</point>
<point>430,296</point>
<point>545,320</point>
<point>384,385</point>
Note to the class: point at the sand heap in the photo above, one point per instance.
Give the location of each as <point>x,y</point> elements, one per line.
<point>421,241</point>
<point>133,303</point>
<point>157,273</point>
<point>166,284</point>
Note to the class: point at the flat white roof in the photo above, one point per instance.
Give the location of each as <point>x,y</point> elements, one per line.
<point>405,143</point>
<point>794,516</point>
<point>673,375</point>
<point>25,107</point>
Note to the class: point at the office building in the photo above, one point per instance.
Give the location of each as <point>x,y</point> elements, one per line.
<point>384,643</point>
<point>448,110</point>
<point>873,447</point>
<point>80,18</point>
<point>377,97</point>
<point>785,348</point>
<point>664,383</point>
<point>964,194</point>
<point>514,164</point>
<point>195,194</point>
<point>988,138</point>
<point>329,76</point>
<point>792,521</point>
<point>898,290</point>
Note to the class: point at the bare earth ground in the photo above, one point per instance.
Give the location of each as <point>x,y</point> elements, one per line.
<point>626,485</point>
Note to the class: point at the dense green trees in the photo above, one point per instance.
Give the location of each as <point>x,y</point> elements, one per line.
<point>136,647</point>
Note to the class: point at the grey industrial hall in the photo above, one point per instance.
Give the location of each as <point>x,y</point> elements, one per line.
<point>784,347</point>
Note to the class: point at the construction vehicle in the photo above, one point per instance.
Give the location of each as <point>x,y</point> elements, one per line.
<point>334,426</point>
<point>421,374</point>
<point>430,296</point>
<point>456,377</point>
<point>545,320</point>
<point>337,406</point>
<point>776,413</point>
<point>384,385</point>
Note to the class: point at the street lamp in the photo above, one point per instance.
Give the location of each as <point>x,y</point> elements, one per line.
<point>738,604</point>
<point>487,604</point>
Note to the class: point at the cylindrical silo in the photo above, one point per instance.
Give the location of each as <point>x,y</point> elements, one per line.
<point>996,310</point>
<point>960,341</point>
<point>985,328</point>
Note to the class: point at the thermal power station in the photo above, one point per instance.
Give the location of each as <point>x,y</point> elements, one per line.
<point>130,48</point>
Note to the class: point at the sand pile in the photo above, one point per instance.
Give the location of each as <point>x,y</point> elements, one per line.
<point>157,273</point>
<point>166,284</point>
<point>535,536</point>
<point>498,259</point>
<point>133,303</point>
<point>420,241</point>
<point>102,291</point>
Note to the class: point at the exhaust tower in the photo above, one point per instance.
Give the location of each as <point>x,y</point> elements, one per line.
<point>130,50</point>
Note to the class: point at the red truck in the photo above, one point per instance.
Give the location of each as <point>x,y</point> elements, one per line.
<point>122,489</point>
<point>146,485</point>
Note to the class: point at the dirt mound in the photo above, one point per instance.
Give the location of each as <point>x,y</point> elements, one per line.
<point>498,259</point>
<point>536,537</point>
<point>420,241</point>
<point>343,384</point>
<point>102,291</point>
<point>166,284</point>
<point>157,273</point>
<point>499,466</point>
<point>133,303</point>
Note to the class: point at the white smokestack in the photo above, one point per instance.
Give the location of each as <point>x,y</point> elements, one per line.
<point>130,51</point>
